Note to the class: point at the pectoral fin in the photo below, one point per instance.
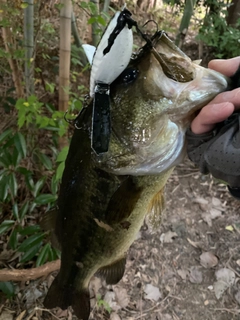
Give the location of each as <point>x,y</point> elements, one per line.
<point>155,210</point>
<point>113,273</point>
<point>123,202</point>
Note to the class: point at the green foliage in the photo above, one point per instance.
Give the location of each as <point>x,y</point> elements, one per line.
<point>102,303</point>
<point>95,17</point>
<point>8,288</point>
<point>29,178</point>
<point>30,111</point>
<point>217,34</point>
<point>61,161</point>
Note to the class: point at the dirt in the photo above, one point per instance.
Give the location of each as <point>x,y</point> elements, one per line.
<point>165,277</point>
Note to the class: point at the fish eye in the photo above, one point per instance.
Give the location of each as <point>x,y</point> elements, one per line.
<point>129,75</point>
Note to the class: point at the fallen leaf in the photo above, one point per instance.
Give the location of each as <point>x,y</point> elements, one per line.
<point>114,316</point>
<point>237,297</point>
<point>219,288</point>
<point>109,298</point>
<point>229,228</point>
<point>208,260</point>
<point>95,285</point>
<point>216,202</point>
<point>194,244</point>
<point>61,313</point>
<point>6,255</point>
<point>200,200</point>
<point>6,315</point>
<point>238,262</point>
<point>183,273</point>
<point>21,315</point>
<point>168,237</point>
<point>225,279</point>
<point>32,295</point>
<point>195,275</point>
<point>207,218</point>
<point>166,317</point>
<point>152,293</point>
<point>215,213</point>
<point>121,296</point>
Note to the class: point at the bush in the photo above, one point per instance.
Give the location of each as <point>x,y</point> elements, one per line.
<point>29,178</point>
<point>224,39</point>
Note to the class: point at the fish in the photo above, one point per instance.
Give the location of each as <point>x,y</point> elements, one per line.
<point>104,198</point>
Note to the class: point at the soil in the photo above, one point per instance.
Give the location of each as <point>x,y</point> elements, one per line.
<point>165,278</point>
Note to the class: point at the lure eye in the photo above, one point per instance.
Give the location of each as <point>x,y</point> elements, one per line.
<point>129,75</point>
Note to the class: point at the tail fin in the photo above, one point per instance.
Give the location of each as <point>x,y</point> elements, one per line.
<point>58,296</point>
<point>81,304</point>
<point>64,297</point>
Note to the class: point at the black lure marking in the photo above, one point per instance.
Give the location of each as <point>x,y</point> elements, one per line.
<point>101,122</point>
<point>123,20</point>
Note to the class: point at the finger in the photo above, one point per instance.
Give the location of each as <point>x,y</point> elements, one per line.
<point>210,115</point>
<point>226,67</point>
<point>228,96</point>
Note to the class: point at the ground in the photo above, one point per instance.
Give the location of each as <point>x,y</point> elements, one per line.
<point>167,275</point>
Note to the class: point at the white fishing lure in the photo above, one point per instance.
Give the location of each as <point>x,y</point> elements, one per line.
<point>107,67</point>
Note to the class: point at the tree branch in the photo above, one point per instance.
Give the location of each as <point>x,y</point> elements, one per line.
<point>29,274</point>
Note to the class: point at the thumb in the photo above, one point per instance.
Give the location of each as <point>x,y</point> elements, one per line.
<point>227,67</point>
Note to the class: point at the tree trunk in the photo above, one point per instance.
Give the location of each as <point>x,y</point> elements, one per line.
<point>29,46</point>
<point>64,59</point>
<point>65,53</point>
<point>9,47</point>
<point>77,39</point>
<point>233,13</point>
<point>106,5</point>
<point>16,73</point>
<point>187,14</point>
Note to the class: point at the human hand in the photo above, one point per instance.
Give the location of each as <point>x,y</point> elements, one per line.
<point>224,104</point>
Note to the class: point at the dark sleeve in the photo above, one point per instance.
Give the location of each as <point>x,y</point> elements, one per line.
<point>218,152</point>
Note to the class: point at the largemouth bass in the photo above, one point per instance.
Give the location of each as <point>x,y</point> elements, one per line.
<point>104,198</point>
